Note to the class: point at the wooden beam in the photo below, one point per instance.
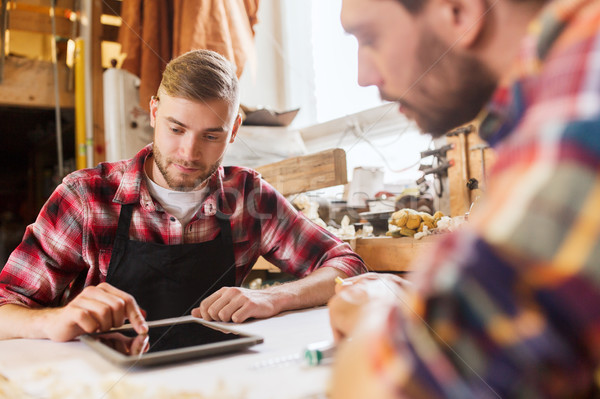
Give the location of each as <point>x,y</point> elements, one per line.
<point>308,172</point>
<point>30,83</point>
<point>38,22</point>
<point>481,159</point>
<point>68,4</point>
<point>458,175</point>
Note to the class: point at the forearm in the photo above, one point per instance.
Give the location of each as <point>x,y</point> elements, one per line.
<point>313,290</point>
<point>21,322</point>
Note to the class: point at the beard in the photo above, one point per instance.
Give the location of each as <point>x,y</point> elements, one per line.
<point>450,88</point>
<point>182,182</point>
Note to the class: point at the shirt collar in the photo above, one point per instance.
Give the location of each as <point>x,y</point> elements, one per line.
<point>133,185</point>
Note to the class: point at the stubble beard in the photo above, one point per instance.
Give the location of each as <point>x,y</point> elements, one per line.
<point>451,94</point>
<point>184,185</point>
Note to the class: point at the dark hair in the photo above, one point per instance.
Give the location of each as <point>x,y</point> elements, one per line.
<point>200,75</point>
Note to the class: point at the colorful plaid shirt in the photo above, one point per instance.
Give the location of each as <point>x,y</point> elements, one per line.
<point>70,244</point>
<point>510,307</point>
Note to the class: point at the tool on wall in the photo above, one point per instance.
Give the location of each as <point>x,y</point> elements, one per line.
<point>438,168</point>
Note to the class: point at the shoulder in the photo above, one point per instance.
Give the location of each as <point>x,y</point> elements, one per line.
<point>239,172</point>
<point>241,177</point>
<point>103,171</point>
<point>103,180</point>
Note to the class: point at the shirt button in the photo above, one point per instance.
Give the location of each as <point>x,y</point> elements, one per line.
<point>172,219</point>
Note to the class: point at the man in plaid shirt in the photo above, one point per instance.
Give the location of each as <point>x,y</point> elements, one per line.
<point>168,232</point>
<point>509,307</point>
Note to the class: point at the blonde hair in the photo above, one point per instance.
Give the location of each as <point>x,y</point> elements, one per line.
<point>200,75</point>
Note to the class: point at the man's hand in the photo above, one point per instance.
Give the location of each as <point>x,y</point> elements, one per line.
<point>357,372</point>
<point>360,295</point>
<point>97,308</point>
<point>237,305</point>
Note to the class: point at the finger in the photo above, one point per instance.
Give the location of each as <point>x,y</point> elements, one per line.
<point>81,319</point>
<point>220,305</point>
<point>207,303</point>
<point>355,295</point>
<point>236,311</point>
<point>339,288</point>
<point>196,312</point>
<point>337,335</point>
<point>333,323</point>
<point>114,306</point>
<point>362,277</point>
<point>243,313</point>
<point>97,310</point>
<point>132,310</point>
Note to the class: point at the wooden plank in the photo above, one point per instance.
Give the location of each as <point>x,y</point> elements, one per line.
<point>391,254</point>
<point>64,4</point>
<point>308,172</point>
<point>458,175</point>
<point>30,83</point>
<point>381,254</point>
<point>38,22</point>
<point>481,159</point>
<point>97,84</point>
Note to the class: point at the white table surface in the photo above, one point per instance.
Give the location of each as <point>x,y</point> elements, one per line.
<point>45,369</point>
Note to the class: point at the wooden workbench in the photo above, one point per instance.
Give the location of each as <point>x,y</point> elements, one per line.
<point>387,254</point>
<point>381,254</point>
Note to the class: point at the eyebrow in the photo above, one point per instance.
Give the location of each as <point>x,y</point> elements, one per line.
<point>215,129</point>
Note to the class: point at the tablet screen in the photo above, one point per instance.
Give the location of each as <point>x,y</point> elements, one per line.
<point>175,336</point>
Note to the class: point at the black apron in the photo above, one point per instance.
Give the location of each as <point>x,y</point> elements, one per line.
<point>170,280</point>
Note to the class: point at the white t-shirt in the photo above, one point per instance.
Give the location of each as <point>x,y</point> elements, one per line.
<point>181,204</point>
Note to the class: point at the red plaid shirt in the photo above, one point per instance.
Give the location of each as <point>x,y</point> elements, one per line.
<point>70,244</point>
<point>509,308</point>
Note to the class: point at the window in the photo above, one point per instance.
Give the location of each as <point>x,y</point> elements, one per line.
<point>305,59</point>
<point>303,45</point>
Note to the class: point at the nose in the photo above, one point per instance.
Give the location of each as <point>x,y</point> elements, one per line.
<point>368,74</point>
<point>189,148</point>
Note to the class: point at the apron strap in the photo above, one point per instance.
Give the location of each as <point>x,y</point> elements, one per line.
<point>121,239</point>
<point>226,237</point>
<point>124,221</point>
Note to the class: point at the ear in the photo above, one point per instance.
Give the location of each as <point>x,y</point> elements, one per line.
<point>459,22</point>
<point>153,109</point>
<point>236,127</point>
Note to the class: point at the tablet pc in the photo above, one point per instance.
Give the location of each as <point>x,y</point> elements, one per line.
<point>167,341</point>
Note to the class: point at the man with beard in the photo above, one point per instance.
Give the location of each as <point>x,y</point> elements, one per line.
<point>169,231</point>
<point>509,306</point>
